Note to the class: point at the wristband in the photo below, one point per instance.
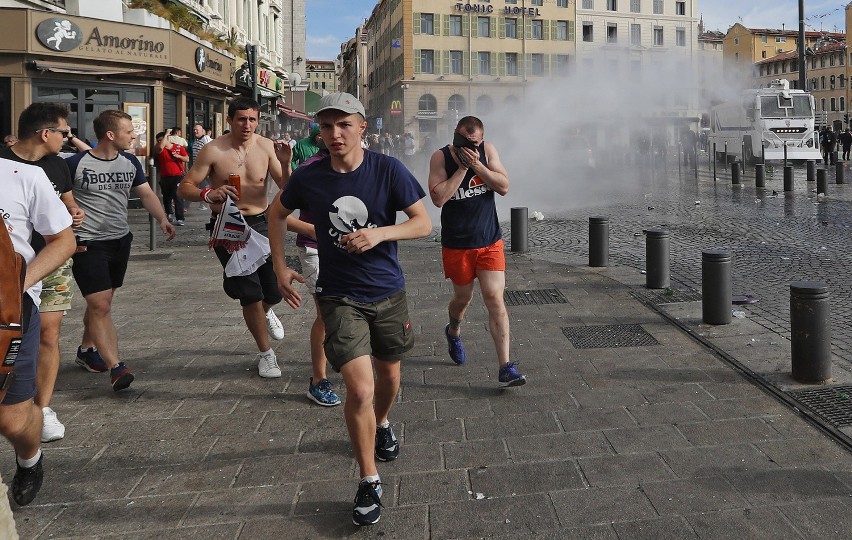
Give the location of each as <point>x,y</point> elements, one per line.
<point>204,193</point>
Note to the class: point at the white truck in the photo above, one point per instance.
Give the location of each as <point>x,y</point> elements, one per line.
<point>763,122</point>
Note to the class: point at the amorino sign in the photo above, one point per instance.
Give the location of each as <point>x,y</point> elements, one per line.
<point>98,39</point>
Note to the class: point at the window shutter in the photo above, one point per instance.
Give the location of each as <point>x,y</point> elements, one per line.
<point>545,30</point>
<point>416,25</point>
<point>501,64</point>
<point>446,19</point>
<point>465,64</point>
<point>527,62</point>
<point>474,62</point>
<point>554,34</point>
<point>501,29</point>
<point>465,25</point>
<point>571,30</point>
<point>445,64</point>
<point>474,26</point>
<point>417,59</point>
<point>548,58</point>
<point>492,63</point>
<point>436,56</point>
<point>528,29</point>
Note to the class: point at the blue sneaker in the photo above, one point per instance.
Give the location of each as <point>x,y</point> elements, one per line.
<point>368,503</point>
<point>322,393</point>
<point>90,360</point>
<point>387,447</point>
<point>510,376</point>
<point>456,348</point>
<point>120,377</point>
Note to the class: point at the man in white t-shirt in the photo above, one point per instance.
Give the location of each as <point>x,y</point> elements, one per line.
<point>30,204</point>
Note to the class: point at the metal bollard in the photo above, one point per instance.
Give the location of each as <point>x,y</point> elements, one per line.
<point>838,172</point>
<point>759,175</point>
<point>736,172</point>
<point>598,241</point>
<point>520,221</point>
<point>822,181</point>
<point>716,286</point>
<point>657,258</point>
<point>788,178</point>
<point>811,167</point>
<point>810,332</point>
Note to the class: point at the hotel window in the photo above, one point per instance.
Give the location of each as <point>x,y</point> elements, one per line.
<point>842,103</point>
<point>511,1</point>
<point>455,25</point>
<point>588,4</point>
<point>842,81</point>
<point>563,61</point>
<point>456,62</point>
<point>427,61</point>
<point>511,25</point>
<point>635,6</point>
<point>537,67</point>
<point>611,33</point>
<point>781,39</point>
<point>537,29</point>
<point>822,61</point>
<point>658,7</point>
<point>680,8</point>
<point>612,5</point>
<point>833,104</point>
<point>658,36</point>
<point>587,32</point>
<point>484,63</point>
<point>427,23</point>
<point>562,3</point>
<point>483,26</point>
<point>562,30</point>
<point>822,104</point>
<point>537,2</point>
<point>680,37</point>
<point>511,63</point>
<point>831,82</point>
<point>831,59</point>
<point>636,34</point>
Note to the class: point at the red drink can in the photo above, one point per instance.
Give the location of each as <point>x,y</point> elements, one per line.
<point>234,180</point>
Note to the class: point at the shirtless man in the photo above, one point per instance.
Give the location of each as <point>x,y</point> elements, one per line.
<point>252,157</point>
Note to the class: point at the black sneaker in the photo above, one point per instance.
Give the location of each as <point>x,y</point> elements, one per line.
<point>387,447</point>
<point>368,503</point>
<point>90,360</point>
<point>27,482</point>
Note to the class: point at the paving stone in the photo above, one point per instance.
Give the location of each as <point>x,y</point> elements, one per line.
<point>119,455</point>
<point>728,460</point>
<point>433,431</point>
<point>721,409</point>
<point>803,452</point>
<point>472,454</point>
<point>744,523</point>
<point>463,408</point>
<point>721,431</point>
<point>690,495</point>
<point>644,439</point>
<point>220,531</point>
<point>335,496</point>
<point>32,519</point>
<point>522,478</point>
<point>601,505</point>
<point>253,445</point>
<point>627,469</point>
<point>176,479</point>
<point>827,518</point>
<point>295,468</point>
<point>558,446</point>
<point>507,425</point>
<point>491,517</point>
<point>400,522</point>
<point>241,504</point>
<point>777,486</point>
<point>433,487</point>
<point>591,419</point>
<point>664,528</point>
<point>666,413</point>
<point>413,458</point>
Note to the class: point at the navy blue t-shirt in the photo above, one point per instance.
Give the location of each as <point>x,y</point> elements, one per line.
<point>369,196</point>
<point>469,218</point>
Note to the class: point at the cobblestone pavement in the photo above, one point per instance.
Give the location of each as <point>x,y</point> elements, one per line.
<point>775,238</point>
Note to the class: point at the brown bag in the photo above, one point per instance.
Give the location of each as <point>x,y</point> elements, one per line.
<point>12,271</point>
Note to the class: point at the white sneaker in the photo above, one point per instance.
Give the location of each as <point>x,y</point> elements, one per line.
<point>276,329</point>
<point>267,365</point>
<point>52,430</point>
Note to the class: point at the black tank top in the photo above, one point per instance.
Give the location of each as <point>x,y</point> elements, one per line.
<point>469,218</point>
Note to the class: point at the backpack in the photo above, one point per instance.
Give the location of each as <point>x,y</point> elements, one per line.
<point>12,271</point>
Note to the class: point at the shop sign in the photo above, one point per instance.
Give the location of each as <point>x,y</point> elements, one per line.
<point>265,77</point>
<point>59,34</point>
<point>243,76</point>
<point>427,115</point>
<point>205,62</point>
<point>122,45</point>
<point>396,108</point>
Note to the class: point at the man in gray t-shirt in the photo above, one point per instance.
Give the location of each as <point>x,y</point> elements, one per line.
<point>103,178</point>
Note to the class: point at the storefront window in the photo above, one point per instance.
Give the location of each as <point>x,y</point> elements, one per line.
<point>55,94</point>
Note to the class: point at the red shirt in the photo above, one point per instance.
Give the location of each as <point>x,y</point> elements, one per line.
<point>169,166</point>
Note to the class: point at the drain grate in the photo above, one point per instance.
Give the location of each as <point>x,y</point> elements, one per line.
<point>608,336</point>
<point>294,263</point>
<point>533,297</point>
<point>833,404</point>
<point>667,296</point>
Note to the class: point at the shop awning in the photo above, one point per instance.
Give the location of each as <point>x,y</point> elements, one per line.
<point>295,114</point>
<point>83,70</point>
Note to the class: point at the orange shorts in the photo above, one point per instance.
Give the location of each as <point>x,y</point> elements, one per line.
<point>461,265</point>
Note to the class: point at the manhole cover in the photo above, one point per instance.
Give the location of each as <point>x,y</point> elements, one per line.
<point>607,336</point>
<point>294,263</point>
<point>833,404</point>
<point>667,296</point>
<point>533,297</point>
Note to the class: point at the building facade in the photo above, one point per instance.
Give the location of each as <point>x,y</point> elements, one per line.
<point>429,62</point>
